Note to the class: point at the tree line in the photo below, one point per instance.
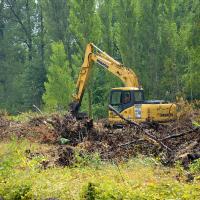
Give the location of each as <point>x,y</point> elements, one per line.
<point>42,46</point>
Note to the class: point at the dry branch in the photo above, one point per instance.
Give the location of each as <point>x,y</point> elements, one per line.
<point>180,134</point>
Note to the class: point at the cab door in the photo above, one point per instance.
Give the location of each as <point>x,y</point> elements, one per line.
<point>126,102</point>
<point>121,99</point>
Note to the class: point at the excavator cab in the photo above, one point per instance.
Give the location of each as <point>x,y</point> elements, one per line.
<point>130,103</point>
<point>123,98</point>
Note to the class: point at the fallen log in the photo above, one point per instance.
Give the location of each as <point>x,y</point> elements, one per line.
<point>188,148</point>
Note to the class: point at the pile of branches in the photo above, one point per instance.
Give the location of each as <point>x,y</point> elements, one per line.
<point>4,124</point>
<point>178,140</point>
<point>36,130</point>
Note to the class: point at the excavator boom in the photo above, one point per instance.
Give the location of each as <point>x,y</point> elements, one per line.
<point>129,100</point>
<point>95,55</point>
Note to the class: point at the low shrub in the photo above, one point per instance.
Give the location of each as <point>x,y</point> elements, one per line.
<point>195,167</point>
<point>12,191</point>
<point>140,178</point>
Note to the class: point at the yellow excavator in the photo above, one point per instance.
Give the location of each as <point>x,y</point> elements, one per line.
<point>128,101</point>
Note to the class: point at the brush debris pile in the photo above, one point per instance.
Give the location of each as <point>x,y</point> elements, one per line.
<point>178,140</point>
<point>35,130</point>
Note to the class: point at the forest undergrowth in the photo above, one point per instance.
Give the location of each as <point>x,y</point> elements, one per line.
<point>23,176</point>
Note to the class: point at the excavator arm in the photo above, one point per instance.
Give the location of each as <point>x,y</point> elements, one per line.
<point>95,55</point>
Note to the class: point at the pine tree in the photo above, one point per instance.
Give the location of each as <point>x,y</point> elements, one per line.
<point>56,22</point>
<point>105,80</point>
<point>12,56</point>
<point>59,86</point>
<point>149,39</point>
<point>27,31</point>
<point>85,26</point>
<point>126,31</point>
<point>192,76</point>
<point>169,74</point>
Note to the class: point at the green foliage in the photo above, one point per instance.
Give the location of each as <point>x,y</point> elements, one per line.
<point>82,13</point>
<point>195,124</point>
<point>195,167</point>
<point>16,192</point>
<point>57,26</point>
<point>23,117</point>
<point>60,85</point>
<point>22,73</point>
<point>85,159</point>
<point>110,190</point>
<point>159,40</point>
<point>191,78</point>
<point>13,156</point>
<point>140,178</point>
<point>89,192</point>
<point>126,31</point>
<point>143,161</point>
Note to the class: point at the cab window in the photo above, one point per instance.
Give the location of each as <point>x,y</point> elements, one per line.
<point>138,96</point>
<point>116,98</point>
<point>126,97</point>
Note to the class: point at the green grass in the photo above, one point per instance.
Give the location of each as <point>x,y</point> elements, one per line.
<point>140,178</point>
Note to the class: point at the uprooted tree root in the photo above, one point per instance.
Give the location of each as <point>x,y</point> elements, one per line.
<point>181,138</point>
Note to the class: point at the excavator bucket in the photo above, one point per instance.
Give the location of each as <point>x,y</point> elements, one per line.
<point>74,110</point>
